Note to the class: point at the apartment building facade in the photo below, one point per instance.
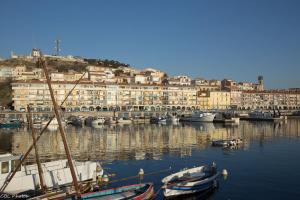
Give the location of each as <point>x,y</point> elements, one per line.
<point>100,96</point>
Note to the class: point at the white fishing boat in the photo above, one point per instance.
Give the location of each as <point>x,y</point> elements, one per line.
<point>110,120</point>
<point>264,116</point>
<point>124,121</point>
<point>56,173</point>
<point>98,121</point>
<point>199,117</point>
<point>173,119</point>
<point>190,181</point>
<point>53,126</point>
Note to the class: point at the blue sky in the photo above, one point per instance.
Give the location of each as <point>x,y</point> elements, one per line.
<point>237,39</point>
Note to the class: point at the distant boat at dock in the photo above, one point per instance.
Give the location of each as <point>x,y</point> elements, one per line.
<point>227,118</point>
<point>173,119</point>
<point>75,121</point>
<point>13,123</point>
<point>198,116</point>
<point>158,120</point>
<point>98,121</point>
<point>263,116</point>
<point>53,126</point>
<point>123,120</point>
<point>227,143</point>
<point>140,120</point>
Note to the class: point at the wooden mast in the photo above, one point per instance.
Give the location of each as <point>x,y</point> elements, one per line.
<point>40,170</point>
<point>61,129</point>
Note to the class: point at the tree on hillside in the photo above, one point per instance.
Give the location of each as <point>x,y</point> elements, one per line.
<point>5,93</point>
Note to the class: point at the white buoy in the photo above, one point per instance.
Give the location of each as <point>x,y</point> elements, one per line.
<point>141,172</point>
<point>224,172</point>
<point>105,178</point>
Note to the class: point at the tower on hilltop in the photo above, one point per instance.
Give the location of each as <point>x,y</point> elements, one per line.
<point>260,83</point>
<point>57,47</point>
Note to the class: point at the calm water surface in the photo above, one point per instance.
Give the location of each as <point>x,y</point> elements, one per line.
<point>267,166</point>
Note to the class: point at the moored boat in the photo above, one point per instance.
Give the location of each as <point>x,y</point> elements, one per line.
<point>98,121</point>
<point>53,126</point>
<point>190,181</point>
<point>124,121</point>
<point>227,143</point>
<point>199,117</point>
<point>173,119</point>
<point>140,120</point>
<point>56,173</point>
<point>110,120</point>
<point>263,116</point>
<point>75,121</point>
<point>156,120</point>
<point>143,191</point>
<point>11,124</point>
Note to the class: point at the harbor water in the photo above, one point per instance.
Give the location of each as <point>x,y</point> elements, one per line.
<point>265,166</point>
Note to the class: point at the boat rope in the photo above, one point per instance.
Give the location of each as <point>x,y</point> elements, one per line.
<point>137,176</point>
<point>158,191</point>
<point>12,173</point>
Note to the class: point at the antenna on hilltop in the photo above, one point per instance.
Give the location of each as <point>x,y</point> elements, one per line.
<point>57,47</point>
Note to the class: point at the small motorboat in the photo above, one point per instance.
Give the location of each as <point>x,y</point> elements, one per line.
<point>53,126</point>
<point>75,121</point>
<point>227,143</point>
<point>199,117</point>
<point>97,122</point>
<point>88,120</point>
<point>191,181</point>
<point>142,120</point>
<point>143,191</point>
<point>124,121</point>
<point>110,120</point>
<point>157,120</point>
<point>173,119</point>
<point>220,143</point>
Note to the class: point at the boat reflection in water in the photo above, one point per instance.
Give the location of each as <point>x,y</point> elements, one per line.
<point>143,141</point>
<point>205,195</point>
<point>135,141</point>
<point>154,147</point>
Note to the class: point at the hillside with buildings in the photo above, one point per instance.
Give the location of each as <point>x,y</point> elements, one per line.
<point>108,85</point>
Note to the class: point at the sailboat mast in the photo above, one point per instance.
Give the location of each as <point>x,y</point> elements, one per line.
<point>22,159</point>
<point>61,129</point>
<point>40,170</point>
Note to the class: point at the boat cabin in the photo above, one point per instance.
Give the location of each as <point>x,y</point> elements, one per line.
<point>8,163</point>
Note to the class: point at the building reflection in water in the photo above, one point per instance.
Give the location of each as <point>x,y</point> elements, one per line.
<point>148,141</point>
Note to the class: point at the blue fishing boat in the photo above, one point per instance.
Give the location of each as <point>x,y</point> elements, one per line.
<point>143,191</point>
<point>14,123</point>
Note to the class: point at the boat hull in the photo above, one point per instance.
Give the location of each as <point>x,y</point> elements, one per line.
<point>98,122</point>
<point>125,192</point>
<point>187,188</point>
<point>56,173</point>
<point>10,125</point>
<point>206,118</point>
